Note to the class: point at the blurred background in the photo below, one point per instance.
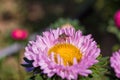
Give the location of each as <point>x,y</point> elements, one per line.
<point>21,20</point>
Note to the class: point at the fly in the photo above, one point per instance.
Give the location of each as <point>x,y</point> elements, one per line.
<point>63,37</point>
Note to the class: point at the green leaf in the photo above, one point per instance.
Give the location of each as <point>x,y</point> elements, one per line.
<point>113,29</point>
<point>62,21</point>
<point>49,79</point>
<point>38,77</point>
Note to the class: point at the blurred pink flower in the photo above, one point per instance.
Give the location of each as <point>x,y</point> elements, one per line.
<point>115,62</point>
<point>117,19</point>
<point>19,34</point>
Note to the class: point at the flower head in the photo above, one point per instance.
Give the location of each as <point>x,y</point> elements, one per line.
<point>115,62</point>
<point>65,52</point>
<point>117,19</point>
<point>19,34</point>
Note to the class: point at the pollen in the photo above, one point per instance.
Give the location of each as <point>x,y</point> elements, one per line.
<point>67,52</point>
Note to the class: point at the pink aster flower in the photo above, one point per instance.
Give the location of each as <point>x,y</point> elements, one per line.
<point>19,34</point>
<point>115,62</point>
<point>64,52</point>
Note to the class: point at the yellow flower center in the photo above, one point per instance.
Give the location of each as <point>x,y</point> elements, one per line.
<point>67,52</point>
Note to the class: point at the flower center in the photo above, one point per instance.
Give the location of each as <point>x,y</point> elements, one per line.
<point>67,52</point>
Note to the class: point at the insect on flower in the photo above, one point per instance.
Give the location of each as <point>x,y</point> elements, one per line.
<point>63,37</point>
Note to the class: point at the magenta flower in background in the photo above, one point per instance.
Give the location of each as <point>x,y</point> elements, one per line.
<point>19,34</point>
<point>117,19</point>
<point>115,62</point>
<point>64,52</point>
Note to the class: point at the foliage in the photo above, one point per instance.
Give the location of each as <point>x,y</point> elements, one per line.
<point>113,29</point>
<point>60,22</point>
<point>99,70</point>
